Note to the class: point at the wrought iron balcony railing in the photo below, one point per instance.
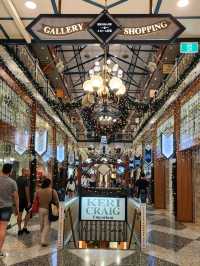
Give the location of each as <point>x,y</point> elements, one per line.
<point>22,53</point>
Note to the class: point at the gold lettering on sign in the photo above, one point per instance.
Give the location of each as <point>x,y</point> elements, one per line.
<point>61,31</point>
<point>138,31</point>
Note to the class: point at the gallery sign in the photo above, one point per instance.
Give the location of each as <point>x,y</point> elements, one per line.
<point>105,28</point>
<point>103,208</point>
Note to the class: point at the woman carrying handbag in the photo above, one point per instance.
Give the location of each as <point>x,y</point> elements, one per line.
<point>48,204</point>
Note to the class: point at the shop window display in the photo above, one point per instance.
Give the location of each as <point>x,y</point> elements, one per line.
<point>15,128</point>
<point>190,122</point>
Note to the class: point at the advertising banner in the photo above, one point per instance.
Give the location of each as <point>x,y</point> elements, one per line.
<point>41,141</point>
<point>167,145</point>
<point>103,208</point>
<point>148,155</point>
<point>21,141</point>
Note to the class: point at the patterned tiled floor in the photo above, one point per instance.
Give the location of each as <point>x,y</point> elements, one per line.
<point>169,244</point>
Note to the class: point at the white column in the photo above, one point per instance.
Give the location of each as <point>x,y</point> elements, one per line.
<point>143,226</point>
<point>61,225</point>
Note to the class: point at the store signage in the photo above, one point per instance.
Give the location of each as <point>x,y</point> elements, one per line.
<point>62,31</point>
<point>148,155</point>
<point>160,25</point>
<point>105,28</point>
<point>189,47</point>
<point>60,153</point>
<point>103,208</point>
<point>41,141</point>
<point>21,141</point>
<point>167,144</point>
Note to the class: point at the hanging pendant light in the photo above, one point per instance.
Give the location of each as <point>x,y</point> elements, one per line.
<point>121,91</point>
<point>115,83</point>
<point>97,82</point>
<point>88,86</point>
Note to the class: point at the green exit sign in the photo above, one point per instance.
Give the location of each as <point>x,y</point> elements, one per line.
<point>189,47</point>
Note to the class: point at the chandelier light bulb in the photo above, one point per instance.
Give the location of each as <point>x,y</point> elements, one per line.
<point>97,82</point>
<point>115,83</point>
<point>108,62</point>
<point>120,73</point>
<point>91,72</point>
<point>97,68</point>
<point>115,68</point>
<point>96,63</point>
<point>88,86</point>
<point>121,91</point>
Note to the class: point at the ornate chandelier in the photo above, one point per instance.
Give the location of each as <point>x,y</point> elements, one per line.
<point>104,80</point>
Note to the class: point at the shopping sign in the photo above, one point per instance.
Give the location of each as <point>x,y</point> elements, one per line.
<point>105,28</point>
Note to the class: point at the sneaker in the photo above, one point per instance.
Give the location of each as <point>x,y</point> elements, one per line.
<point>26,231</point>
<point>20,232</point>
<point>2,255</point>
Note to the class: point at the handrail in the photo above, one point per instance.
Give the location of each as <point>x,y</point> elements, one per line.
<point>179,68</point>
<point>65,208</point>
<point>137,221</point>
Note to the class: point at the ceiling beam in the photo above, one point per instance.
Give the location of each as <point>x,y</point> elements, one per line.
<point>85,62</point>
<point>91,2</point>
<point>85,72</point>
<point>14,14</point>
<point>128,63</point>
<point>157,9</point>
<point>54,6</point>
<point>116,3</point>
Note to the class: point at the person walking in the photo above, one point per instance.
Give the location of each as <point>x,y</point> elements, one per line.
<point>45,196</point>
<point>8,198</point>
<point>142,185</point>
<point>23,185</point>
<point>71,187</point>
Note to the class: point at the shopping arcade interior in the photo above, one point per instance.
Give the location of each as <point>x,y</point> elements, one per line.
<point>132,127</point>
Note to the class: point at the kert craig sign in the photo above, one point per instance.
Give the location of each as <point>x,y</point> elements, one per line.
<point>105,28</point>
<point>103,208</point>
